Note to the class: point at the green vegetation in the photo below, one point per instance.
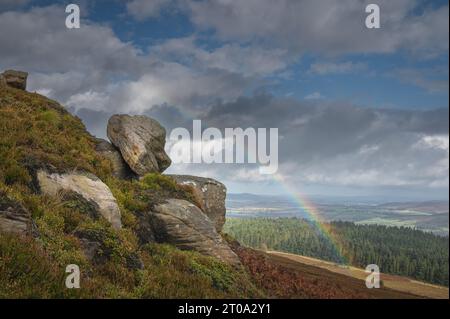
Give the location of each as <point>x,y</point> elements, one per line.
<point>36,132</point>
<point>397,250</point>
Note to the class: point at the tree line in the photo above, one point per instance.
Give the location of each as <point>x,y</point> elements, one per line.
<point>396,250</point>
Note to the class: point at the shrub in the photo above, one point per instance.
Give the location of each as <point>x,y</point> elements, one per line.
<point>16,174</point>
<point>26,271</point>
<point>158,182</point>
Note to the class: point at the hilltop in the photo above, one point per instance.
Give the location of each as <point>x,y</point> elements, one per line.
<point>41,231</point>
<point>67,197</point>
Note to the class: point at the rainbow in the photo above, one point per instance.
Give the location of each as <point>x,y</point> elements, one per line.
<point>314,215</point>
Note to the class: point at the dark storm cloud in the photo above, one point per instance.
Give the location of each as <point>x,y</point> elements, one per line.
<point>348,144</point>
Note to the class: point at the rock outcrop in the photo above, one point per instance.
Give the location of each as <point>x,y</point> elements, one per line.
<point>211,196</point>
<point>120,167</point>
<point>184,225</point>
<point>15,79</point>
<point>136,149</point>
<point>14,218</point>
<point>88,186</point>
<point>141,141</point>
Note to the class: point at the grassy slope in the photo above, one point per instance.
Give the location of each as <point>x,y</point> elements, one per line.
<point>37,132</point>
<point>282,277</point>
<point>392,282</point>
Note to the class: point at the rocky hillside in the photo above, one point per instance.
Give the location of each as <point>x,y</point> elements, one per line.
<point>67,197</point>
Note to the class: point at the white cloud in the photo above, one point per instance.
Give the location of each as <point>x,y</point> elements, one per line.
<point>438,142</point>
<point>249,174</point>
<point>243,59</point>
<point>328,27</point>
<point>88,100</point>
<point>314,96</point>
<point>37,41</point>
<point>337,68</point>
<point>142,9</point>
<point>434,80</point>
<point>92,68</point>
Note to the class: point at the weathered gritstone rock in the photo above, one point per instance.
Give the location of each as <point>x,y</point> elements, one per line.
<point>120,167</point>
<point>88,186</point>
<point>14,218</point>
<point>211,195</point>
<point>15,79</point>
<point>184,225</point>
<point>141,141</point>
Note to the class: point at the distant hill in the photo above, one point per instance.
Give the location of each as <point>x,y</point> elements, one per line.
<point>425,215</point>
<point>432,207</point>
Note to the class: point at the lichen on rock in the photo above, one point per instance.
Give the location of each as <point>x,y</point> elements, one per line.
<point>141,141</point>
<point>88,186</point>
<point>15,79</point>
<point>184,225</point>
<point>210,194</point>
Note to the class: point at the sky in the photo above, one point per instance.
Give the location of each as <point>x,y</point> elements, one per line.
<point>360,112</point>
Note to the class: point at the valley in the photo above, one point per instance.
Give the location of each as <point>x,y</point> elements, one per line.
<point>429,216</point>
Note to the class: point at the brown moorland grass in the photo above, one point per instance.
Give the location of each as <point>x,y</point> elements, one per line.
<point>397,283</point>
<point>281,277</point>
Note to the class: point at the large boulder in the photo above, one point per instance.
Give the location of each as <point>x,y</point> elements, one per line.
<point>210,195</point>
<point>14,218</point>
<point>141,141</point>
<point>120,167</point>
<point>88,186</point>
<point>15,79</point>
<point>184,225</point>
